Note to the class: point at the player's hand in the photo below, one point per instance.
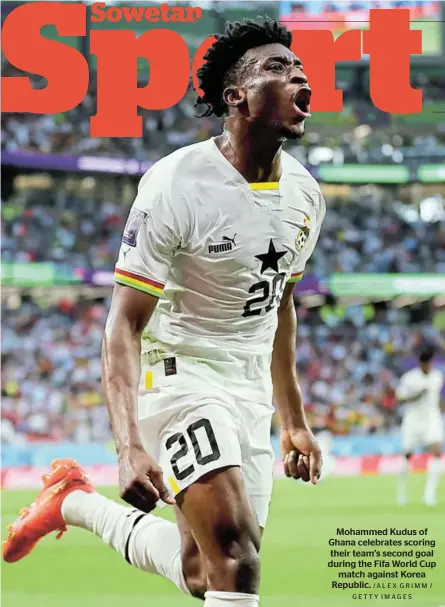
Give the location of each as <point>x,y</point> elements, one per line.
<point>301,455</point>
<point>141,483</point>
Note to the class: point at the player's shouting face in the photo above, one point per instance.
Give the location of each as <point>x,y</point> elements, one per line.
<point>273,89</point>
<point>251,76</point>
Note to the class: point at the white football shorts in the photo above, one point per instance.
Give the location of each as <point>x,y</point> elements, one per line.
<point>194,429</point>
<point>422,431</point>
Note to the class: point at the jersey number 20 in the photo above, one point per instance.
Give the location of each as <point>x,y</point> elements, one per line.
<point>267,291</point>
<point>192,434</point>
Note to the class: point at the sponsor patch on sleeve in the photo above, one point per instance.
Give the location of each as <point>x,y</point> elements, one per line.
<point>133,225</point>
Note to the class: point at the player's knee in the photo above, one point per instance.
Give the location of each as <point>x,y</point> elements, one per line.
<point>194,574</point>
<point>435,450</point>
<point>238,568</point>
<point>196,580</point>
<point>197,586</point>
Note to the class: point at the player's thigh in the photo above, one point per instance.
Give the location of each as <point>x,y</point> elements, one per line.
<point>435,449</point>
<point>411,436</point>
<point>434,436</point>
<point>225,528</point>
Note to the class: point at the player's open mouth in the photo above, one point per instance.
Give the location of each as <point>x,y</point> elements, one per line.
<point>302,102</point>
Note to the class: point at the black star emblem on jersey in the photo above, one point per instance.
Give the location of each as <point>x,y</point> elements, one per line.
<point>270,259</point>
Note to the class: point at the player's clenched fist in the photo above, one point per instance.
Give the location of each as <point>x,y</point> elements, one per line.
<point>141,483</point>
<point>301,455</point>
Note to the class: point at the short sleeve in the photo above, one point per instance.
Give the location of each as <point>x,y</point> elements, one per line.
<point>405,388</point>
<point>155,229</point>
<point>308,237</point>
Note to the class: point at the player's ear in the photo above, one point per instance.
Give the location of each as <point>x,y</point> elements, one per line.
<point>234,96</point>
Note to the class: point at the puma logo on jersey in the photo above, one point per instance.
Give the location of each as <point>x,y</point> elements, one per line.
<point>223,247</point>
<point>227,239</point>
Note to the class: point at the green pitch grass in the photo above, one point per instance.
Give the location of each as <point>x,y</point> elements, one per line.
<point>79,571</point>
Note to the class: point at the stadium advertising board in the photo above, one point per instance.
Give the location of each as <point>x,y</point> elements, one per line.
<point>346,173</point>
<point>341,285</point>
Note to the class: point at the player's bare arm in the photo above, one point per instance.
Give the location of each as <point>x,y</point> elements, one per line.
<point>302,455</point>
<point>140,477</point>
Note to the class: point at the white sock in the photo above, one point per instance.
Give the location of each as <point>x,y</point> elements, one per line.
<point>401,482</point>
<point>230,599</point>
<point>432,479</point>
<point>145,541</point>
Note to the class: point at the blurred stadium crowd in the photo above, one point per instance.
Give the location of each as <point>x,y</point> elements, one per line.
<point>165,131</point>
<point>348,357</point>
<point>60,226</point>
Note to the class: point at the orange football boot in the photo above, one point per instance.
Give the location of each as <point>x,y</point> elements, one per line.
<point>45,514</point>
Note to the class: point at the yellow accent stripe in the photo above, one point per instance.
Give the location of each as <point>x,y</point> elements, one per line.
<point>138,284</point>
<point>267,185</point>
<point>296,277</point>
<point>174,485</point>
<point>148,380</point>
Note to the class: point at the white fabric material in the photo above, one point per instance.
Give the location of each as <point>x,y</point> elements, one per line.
<point>432,480</point>
<point>197,229</point>
<point>422,423</point>
<point>154,544</point>
<point>209,431</point>
<point>413,382</point>
<point>424,431</point>
<point>230,599</point>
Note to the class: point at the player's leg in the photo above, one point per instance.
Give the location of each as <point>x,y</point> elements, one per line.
<point>410,441</point>
<point>257,474</point>
<point>228,534</point>
<point>434,469</point>
<point>192,563</point>
<point>433,439</point>
<point>68,498</point>
<point>402,494</point>
<point>220,460</point>
<point>145,541</point>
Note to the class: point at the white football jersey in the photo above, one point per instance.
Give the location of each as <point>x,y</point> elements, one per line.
<point>413,382</point>
<point>218,251</point>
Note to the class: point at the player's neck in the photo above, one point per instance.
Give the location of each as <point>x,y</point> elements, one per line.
<point>254,153</point>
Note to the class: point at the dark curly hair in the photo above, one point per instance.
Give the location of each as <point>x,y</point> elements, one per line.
<point>223,63</point>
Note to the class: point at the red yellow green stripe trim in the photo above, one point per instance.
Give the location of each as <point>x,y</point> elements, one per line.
<point>142,283</point>
<point>296,277</point>
<point>265,185</point>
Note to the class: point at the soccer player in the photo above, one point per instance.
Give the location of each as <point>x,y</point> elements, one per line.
<point>422,426</point>
<point>201,332</point>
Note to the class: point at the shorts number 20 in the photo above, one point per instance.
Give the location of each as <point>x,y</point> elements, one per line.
<point>184,448</point>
